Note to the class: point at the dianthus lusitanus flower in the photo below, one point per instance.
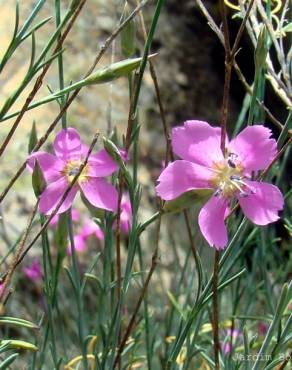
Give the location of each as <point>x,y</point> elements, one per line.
<point>60,169</point>
<point>229,176</point>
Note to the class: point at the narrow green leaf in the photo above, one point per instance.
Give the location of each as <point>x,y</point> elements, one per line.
<point>19,344</point>
<point>14,321</point>
<point>8,361</point>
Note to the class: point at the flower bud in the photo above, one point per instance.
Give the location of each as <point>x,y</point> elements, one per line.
<point>114,71</point>
<point>262,48</point>
<point>128,34</point>
<point>38,180</point>
<point>114,152</point>
<point>33,138</point>
<point>61,235</point>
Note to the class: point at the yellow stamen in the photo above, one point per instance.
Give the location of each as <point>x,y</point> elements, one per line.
<point>72,169</point>
<point>224,177</point>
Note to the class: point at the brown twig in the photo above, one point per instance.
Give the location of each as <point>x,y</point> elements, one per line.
<point>43,139</point>
<point>228,69</point>
<point>285,362</point>
<point>39,80</point>
<point>241,29</point>
<point>131,324</point>
<point>237,69</point>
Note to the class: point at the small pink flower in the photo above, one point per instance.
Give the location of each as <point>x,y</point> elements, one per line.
<point>126,214</point>
<point>60,169</point>
<point>203,166</point>
<point>79,244</point>
<point>33,272</point>
<point>91,228</point>
<point>80,239</point>
<point>262,328</point>
<point>234,334</point>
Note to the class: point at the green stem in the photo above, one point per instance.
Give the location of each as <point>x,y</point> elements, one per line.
<point>60,63</point>
<point>78,292</point>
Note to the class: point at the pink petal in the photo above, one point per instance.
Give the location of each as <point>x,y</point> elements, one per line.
<point>54,221</point>
<point>124,155</point>
<point>33,272</point>
<point>254,147</point>
<point>126,214</point>
<point>181,176</point>
<point>101,164</point>
<point>197,142</point>
<point>53,194</point>
<point>79,243</point>
<point>67,144</point>
<point>75,215</point>
<point>51,165</point>
<point>99,233</point>
<point>211,222</point>
<point>88,229</point>
<point>263,206</point>
<point>99,193</point>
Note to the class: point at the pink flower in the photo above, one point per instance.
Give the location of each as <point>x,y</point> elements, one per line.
<point>126,214</point>
<point>91,228</point>
<point>75,217</point>
<point>262,328</point>
<point>79,244</point>
<point>60,169</point>
<point>203,166</point>
<point>232,334</point>
<point>33,272</point>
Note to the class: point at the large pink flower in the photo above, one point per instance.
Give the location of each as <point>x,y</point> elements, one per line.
<point>203,166</point>
<point>60,169</point>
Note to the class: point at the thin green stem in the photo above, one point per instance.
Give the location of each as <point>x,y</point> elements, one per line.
<point>60,63</point>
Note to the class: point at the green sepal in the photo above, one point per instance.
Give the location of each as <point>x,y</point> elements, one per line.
<point>187,200</point>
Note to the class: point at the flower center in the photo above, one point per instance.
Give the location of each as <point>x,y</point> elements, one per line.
<point>72,168</point>
<point>228,177</point>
